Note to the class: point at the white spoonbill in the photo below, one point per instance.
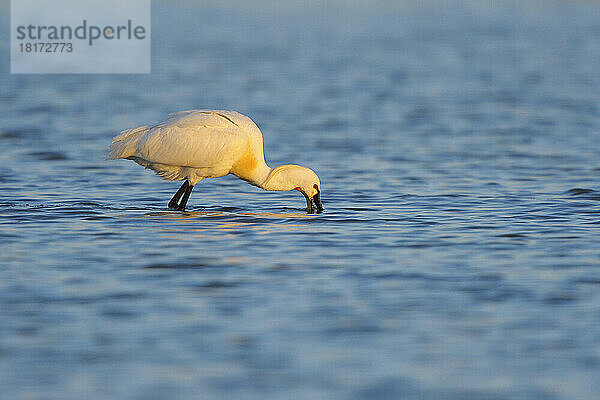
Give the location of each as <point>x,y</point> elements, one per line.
<point>198,144</point>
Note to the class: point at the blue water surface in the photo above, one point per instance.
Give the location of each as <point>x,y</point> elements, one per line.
<point>458,146</point>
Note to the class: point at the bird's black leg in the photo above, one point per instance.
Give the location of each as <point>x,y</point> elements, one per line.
<point>177,196</point>
<point>185,198</point>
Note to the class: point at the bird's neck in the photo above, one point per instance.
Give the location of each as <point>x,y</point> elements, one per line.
<point>259,176</point>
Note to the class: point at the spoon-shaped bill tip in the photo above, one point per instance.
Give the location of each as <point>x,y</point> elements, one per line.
<point>317,201</point>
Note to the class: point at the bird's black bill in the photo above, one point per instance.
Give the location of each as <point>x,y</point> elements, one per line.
<point>313,205</point>
<point>309,204</point>
<point>317,201</point>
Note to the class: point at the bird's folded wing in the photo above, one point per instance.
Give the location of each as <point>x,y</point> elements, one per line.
<point>179,142</point>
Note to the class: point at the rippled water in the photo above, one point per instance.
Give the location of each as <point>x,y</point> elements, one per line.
<point>457,257</point>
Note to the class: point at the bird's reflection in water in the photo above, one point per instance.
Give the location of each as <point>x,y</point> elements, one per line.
<point>184,215</point>
<point>230,222</point>
<point>198,214</point>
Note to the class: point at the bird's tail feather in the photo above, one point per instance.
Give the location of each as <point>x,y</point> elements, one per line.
<point>125,144</point>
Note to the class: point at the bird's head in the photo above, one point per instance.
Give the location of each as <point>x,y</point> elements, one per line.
<point>296,177</point>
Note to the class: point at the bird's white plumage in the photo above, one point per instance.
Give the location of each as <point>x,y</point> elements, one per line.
<point>192,145</point>
<point>199,144</point>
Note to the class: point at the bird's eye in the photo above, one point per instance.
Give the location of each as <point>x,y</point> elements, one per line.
<point>316,187</point>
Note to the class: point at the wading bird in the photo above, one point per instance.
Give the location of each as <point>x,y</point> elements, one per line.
<point>197,144</point>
